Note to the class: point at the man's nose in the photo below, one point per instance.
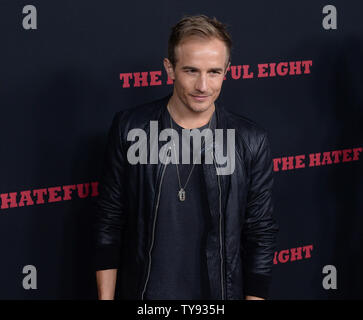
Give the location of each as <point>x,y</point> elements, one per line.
<point>201,83</point>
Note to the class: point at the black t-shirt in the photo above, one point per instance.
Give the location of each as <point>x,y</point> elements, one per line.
<point>178,263</point>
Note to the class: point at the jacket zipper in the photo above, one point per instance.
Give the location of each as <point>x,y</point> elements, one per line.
<point>220,229</point>
<point>153,231</point>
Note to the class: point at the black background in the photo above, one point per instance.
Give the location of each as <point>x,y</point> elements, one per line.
<point>60,87</point>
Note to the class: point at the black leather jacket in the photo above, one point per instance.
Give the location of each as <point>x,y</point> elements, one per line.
<point>241,242</point>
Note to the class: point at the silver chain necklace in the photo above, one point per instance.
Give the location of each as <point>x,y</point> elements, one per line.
<point>181,192</point>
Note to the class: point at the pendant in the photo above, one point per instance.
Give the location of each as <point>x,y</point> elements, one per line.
<point>181,194</point>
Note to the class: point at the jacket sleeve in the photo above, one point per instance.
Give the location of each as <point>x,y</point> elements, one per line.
<point>259,229</point>
<point>109,205</point>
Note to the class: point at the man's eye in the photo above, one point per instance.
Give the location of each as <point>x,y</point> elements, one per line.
<point>190,71</point>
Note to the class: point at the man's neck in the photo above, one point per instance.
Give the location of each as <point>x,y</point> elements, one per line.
<point>187,118</point>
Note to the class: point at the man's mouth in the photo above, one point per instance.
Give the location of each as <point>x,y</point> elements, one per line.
<point>199,98</point>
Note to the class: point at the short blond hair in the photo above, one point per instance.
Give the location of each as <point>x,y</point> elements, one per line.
<point>198,25</point>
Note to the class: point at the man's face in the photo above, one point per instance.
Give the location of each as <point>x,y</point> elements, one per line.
<point>199,71</point>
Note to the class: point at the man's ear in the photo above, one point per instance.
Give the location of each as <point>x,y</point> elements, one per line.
<point>169,68</point>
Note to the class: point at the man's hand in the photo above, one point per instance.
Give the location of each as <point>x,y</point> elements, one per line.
<point>254,298</point>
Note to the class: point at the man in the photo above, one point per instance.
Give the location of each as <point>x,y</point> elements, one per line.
<point>184,231</point>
